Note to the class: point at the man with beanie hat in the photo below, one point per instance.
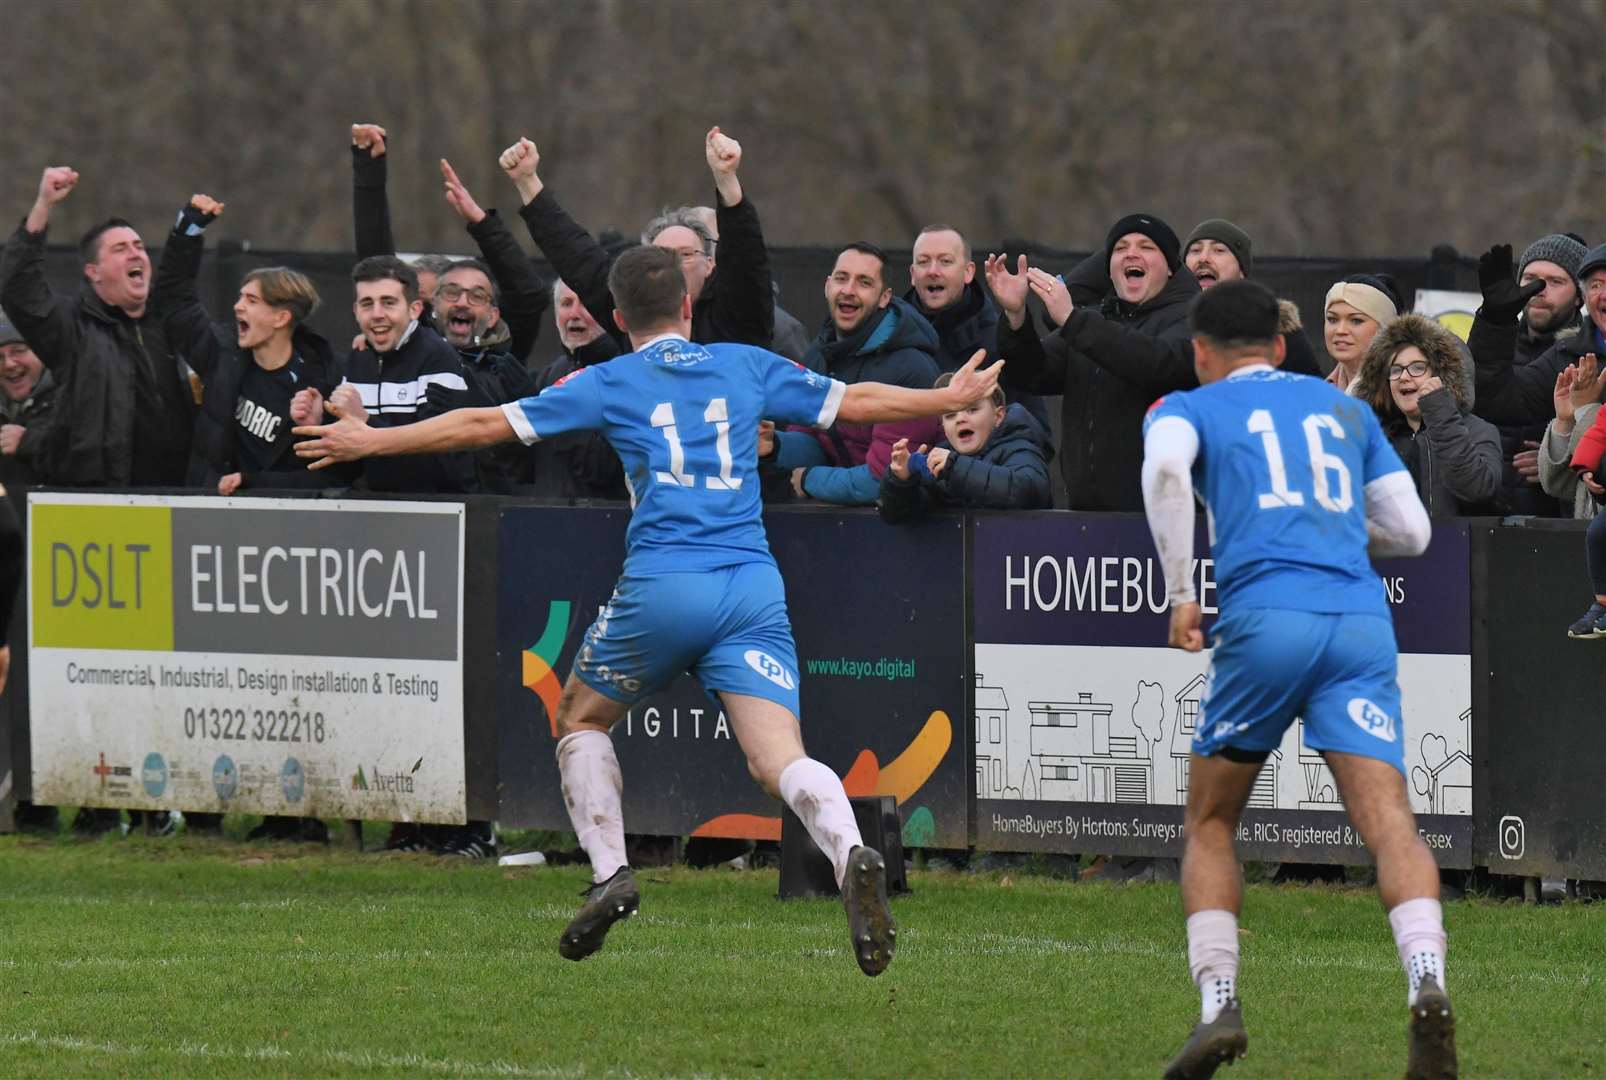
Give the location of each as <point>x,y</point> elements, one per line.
<point>1528,329</point>
<point>27,399</point>
<point>1218,250</point>
<point>1111,356</point>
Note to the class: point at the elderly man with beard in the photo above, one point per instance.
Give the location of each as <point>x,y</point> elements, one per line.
<point>127,397</point>
<point>1524,315</point>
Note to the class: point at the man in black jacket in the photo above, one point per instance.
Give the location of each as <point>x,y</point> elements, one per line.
<point>1110,363</point>
<point>388,382</point>
<point>130,406</point>
<point>731,302</point>
<point>1523,315</point>
<point>252,369</point>
<point>943,287</point>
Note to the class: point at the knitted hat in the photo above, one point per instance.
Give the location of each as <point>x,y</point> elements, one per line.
<point>1564,251</point>
<point>1154,229</point>
<point>1225,232</point>
<point>1595,260</point>
<point>8,330</point>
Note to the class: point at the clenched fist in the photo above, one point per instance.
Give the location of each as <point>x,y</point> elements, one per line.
<point>207,205</point>
<point>724,153</point>
<point>369,137</point>
<point>306,407</point>
<point>56,183</point>
<point>520,160</point>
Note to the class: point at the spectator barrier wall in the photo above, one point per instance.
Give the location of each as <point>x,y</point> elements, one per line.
<point>1002,675</point>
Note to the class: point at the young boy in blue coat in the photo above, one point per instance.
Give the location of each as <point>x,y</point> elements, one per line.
<point>993,456</point>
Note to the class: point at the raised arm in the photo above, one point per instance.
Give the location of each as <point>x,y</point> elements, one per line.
<point>574,253</point>
<point>873,402</point>
<point>174,297</point>
<point>47,326</point>
<point>744,299</point>
<point>370,205</point>
<point>1032,366</point>
<point>525,297</point>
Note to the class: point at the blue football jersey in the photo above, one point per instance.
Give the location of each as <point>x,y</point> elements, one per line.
<point>1283,464</point>
<point>684,420</point>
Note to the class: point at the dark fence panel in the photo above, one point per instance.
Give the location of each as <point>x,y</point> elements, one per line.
<point>878,621</point>
<point>1544,811</point>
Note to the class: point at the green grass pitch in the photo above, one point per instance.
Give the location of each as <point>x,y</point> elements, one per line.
<point>181,957</point>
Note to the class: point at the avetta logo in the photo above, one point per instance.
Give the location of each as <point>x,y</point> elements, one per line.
<point>359,782</point>
<point>540,659</point>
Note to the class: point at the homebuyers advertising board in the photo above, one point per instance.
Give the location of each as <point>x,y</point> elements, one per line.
<point>276,656</point>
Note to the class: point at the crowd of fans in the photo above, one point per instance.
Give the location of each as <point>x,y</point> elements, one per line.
<point>131,382</point>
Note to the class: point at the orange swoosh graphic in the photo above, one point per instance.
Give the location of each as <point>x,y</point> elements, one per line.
<point>901,778</point>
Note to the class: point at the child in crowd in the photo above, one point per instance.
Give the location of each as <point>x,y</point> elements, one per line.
<point>992,456</point>
<point>1586,463</point>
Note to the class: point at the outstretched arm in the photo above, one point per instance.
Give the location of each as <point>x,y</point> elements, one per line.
<point>349,439</point>
<point>872,402</point>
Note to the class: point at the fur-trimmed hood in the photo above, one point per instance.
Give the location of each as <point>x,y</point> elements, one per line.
<point>1446,354</point>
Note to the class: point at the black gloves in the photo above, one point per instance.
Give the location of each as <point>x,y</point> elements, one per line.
<point>442,399</point>
<point>1503,298</point>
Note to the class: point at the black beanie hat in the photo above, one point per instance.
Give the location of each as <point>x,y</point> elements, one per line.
<point>1225,232</point>
<point>1152,227</point>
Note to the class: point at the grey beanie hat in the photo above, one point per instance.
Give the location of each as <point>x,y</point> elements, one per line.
<point>1557,248</point>
<point>1224,231</point>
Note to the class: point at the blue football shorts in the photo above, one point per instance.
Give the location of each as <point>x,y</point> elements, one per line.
<point>728,627</point>
<point>1337,671</point>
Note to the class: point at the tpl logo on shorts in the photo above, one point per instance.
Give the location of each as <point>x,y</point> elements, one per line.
<point>771,668</point>
<point>1371,719</point>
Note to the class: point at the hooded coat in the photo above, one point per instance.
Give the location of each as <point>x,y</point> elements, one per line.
<point>1009,473</point>
<point>1454,456</point>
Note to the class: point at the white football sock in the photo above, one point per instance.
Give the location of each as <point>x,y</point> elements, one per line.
<point>1213,959</point>
<point>815,795</point>
<point>1418,927</point>
<point>593,790</point>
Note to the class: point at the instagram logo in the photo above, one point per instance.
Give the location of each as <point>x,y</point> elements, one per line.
<point>1513,837</point>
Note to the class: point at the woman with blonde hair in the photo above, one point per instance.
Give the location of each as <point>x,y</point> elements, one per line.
<point>1357,307</point>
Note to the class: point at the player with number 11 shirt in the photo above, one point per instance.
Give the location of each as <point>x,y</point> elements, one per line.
<point>700,591</point>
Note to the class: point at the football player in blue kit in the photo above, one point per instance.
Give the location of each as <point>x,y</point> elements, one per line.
<point>699,591</point>
<point>1300,485</point>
